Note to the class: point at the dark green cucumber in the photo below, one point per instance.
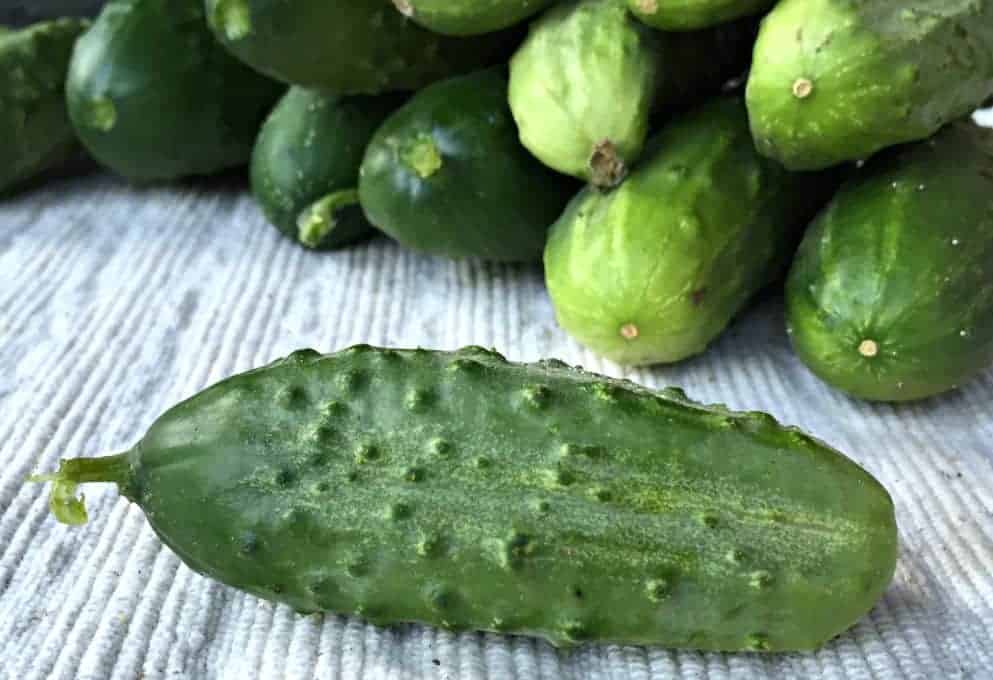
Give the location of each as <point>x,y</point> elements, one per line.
<point>305,167</point>
<point>838,80</point>
<point>585,83</point>
<point>654,270</point>
<point>346,46</point>
<point>689,15</point>
<point>152,96</point>
<point>891,294</point>
<point>447,175</point>
<point>467,492</point>
<point>469,17</point>
<point>35,134</point>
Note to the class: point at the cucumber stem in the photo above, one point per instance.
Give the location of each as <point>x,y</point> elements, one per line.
<point>607,168</point>
<point>320,218</point>
<point>63,502</point>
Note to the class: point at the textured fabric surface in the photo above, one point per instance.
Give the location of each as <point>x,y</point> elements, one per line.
<point>116,302</point>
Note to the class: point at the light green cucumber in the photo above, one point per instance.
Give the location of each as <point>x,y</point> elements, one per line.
<point>586,81</point>
<point>654,270</point>
<point>839,80</point>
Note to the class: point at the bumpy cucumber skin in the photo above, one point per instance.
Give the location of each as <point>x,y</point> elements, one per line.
<point>469,17</point>
<point>585,76</point>
<point>466,492</point>
<point>35,134</point>
<point>891,294</point>
<point>481,195</point>
<point>838,80</point>
<point>653,271</point>
<point>588,74</point>
<point>152,96</point>
<point>346,46</point>
<point>311,146</point>
<point>690,15</point>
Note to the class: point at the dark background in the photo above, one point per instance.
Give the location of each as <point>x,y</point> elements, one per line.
<point>20,12</point>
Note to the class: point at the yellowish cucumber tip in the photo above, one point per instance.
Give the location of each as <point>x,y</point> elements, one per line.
<point>869,348</point>
<point>405,7</point>
<point>803,88</point>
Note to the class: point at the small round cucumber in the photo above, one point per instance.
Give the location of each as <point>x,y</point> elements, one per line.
<point>891,295</point>
<point>305,166</point>
<point>152,96</point>
<point>467,492</point>
<point>447,175</point>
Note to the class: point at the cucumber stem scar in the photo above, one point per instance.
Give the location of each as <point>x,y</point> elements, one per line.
<point>629,331</point>
<point>869,348</point>
<point>422,156</point>
<point>607,168</point>
<point>802,88</point>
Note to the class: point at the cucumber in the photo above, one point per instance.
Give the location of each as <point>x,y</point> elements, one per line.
<point>837,80</point>
<point>346,46</point>
<point>152,96</point>
<point>305,166</point>
<point>35,134</point>
<point>891,294</point>
<point>689,15</point>
<point>588,78</point>
<point>469,17</point>
<point>463,491</point>
<point>446,175</point>
<point>653,271</point>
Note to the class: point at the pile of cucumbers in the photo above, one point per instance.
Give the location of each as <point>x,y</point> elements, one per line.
<point>667,160</point>
<point>709,134</point>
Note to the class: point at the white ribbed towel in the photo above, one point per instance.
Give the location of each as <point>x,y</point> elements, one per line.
<point>116,302</point>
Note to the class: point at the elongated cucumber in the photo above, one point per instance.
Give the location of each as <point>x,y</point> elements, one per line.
<point>464,491</point>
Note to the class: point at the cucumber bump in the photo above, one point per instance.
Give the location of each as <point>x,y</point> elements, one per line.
<point>464,491</point>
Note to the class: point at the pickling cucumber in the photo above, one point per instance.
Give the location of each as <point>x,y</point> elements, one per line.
<point>346,46</point>
<point>839,80</point>
<point>586,81</point>
<point>152,95</point>
<point>891,295</point>
<point>469,17</point>
<point>688,15</point>
<point>654,270</point>
<point>467,492</point>
<point>446,175</point>
<point>305,166</point>
<point>35,134</point>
